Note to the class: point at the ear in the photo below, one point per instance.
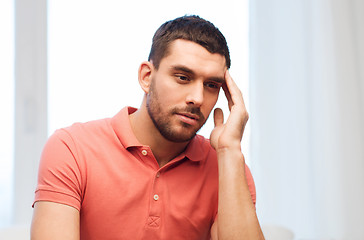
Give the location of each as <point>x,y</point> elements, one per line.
<point>145,75</point>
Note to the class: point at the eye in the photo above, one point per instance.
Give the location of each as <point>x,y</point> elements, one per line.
<point>212,85</point>
<point>182,77</point>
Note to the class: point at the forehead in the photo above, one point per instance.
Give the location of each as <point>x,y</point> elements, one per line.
<point>194,56</point>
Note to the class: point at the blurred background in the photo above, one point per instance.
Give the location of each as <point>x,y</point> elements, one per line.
<point>299,64</point>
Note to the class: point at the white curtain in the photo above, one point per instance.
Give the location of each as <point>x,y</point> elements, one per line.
<point>307,115</point>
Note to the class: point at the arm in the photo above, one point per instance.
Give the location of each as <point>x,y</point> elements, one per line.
<point>55,221</point>
<point>236,218</point>
<point>59,181</point>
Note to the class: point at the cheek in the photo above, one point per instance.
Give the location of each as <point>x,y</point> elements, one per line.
<point>165,91</point>
<point>210,102</point>
<point>213,97</point>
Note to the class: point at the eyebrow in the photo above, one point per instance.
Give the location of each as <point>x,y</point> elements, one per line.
<point>183,69</point>
<point>191,72</point>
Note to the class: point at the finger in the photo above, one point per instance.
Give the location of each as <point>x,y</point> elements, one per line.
<point>236,96</point>
<point>218,117</point>
<point>227,92</point>
<point>227,95</point>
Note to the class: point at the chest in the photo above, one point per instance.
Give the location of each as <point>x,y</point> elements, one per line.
<point>127,196</point>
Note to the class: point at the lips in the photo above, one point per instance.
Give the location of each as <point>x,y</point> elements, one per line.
<point>190,115</point>
<point>188,118</point>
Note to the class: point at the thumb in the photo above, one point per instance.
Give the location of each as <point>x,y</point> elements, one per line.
<point>218,117</point>
<point>219,122</point>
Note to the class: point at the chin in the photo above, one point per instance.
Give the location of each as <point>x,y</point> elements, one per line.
<point>180,137</point>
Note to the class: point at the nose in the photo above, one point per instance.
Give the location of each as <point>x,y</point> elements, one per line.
<point>195,94</point>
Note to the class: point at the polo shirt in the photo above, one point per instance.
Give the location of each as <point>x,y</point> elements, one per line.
<point>101,169</point>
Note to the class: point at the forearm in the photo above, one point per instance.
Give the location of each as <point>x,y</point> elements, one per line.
<point>236,213</point>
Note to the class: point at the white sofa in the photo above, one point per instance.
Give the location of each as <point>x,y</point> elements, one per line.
<point>21,232</point>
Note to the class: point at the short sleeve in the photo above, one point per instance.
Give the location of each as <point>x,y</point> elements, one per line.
<point>59,175</point>
<point>251,184</point>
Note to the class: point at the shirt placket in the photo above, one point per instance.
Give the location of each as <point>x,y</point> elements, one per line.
<point>156,203</point>
<point>154,220</point>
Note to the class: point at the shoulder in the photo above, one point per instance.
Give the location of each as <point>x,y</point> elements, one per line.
<point>67,143</point>
<point>77,133</point>
<point>78,140</point>
<point>88,128</point>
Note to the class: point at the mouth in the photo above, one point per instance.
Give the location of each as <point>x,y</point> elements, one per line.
<point>190,115</point>
<point>188,118</point>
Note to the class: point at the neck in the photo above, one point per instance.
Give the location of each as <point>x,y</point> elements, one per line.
<point>147,134</point>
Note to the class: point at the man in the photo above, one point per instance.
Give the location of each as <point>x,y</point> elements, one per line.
<point>145,174</point>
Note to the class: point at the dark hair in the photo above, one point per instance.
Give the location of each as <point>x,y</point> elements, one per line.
<point>192,28</point>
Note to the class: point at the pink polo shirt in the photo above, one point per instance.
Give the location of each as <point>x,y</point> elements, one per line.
<point>115,182</point>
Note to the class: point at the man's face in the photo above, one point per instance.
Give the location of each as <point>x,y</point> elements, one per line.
<point>184,90</point>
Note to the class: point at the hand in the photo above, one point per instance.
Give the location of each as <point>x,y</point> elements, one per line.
<point>229,135</point>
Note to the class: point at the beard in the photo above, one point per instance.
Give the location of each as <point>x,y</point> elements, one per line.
<point>161,119</point>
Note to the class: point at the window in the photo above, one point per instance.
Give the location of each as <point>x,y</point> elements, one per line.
<point>7,109</point>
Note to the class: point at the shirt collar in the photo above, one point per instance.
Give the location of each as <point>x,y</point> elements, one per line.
<point>121,125</point>
<point>196,150</point>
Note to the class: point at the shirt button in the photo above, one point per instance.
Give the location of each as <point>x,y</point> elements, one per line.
<point>158,174</point>
<point>144,152</point>
<point>156,197</point>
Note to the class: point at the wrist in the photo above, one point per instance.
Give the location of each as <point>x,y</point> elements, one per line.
<point>230,153</point>
<point>231,162</point>
<point>228,149</point>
